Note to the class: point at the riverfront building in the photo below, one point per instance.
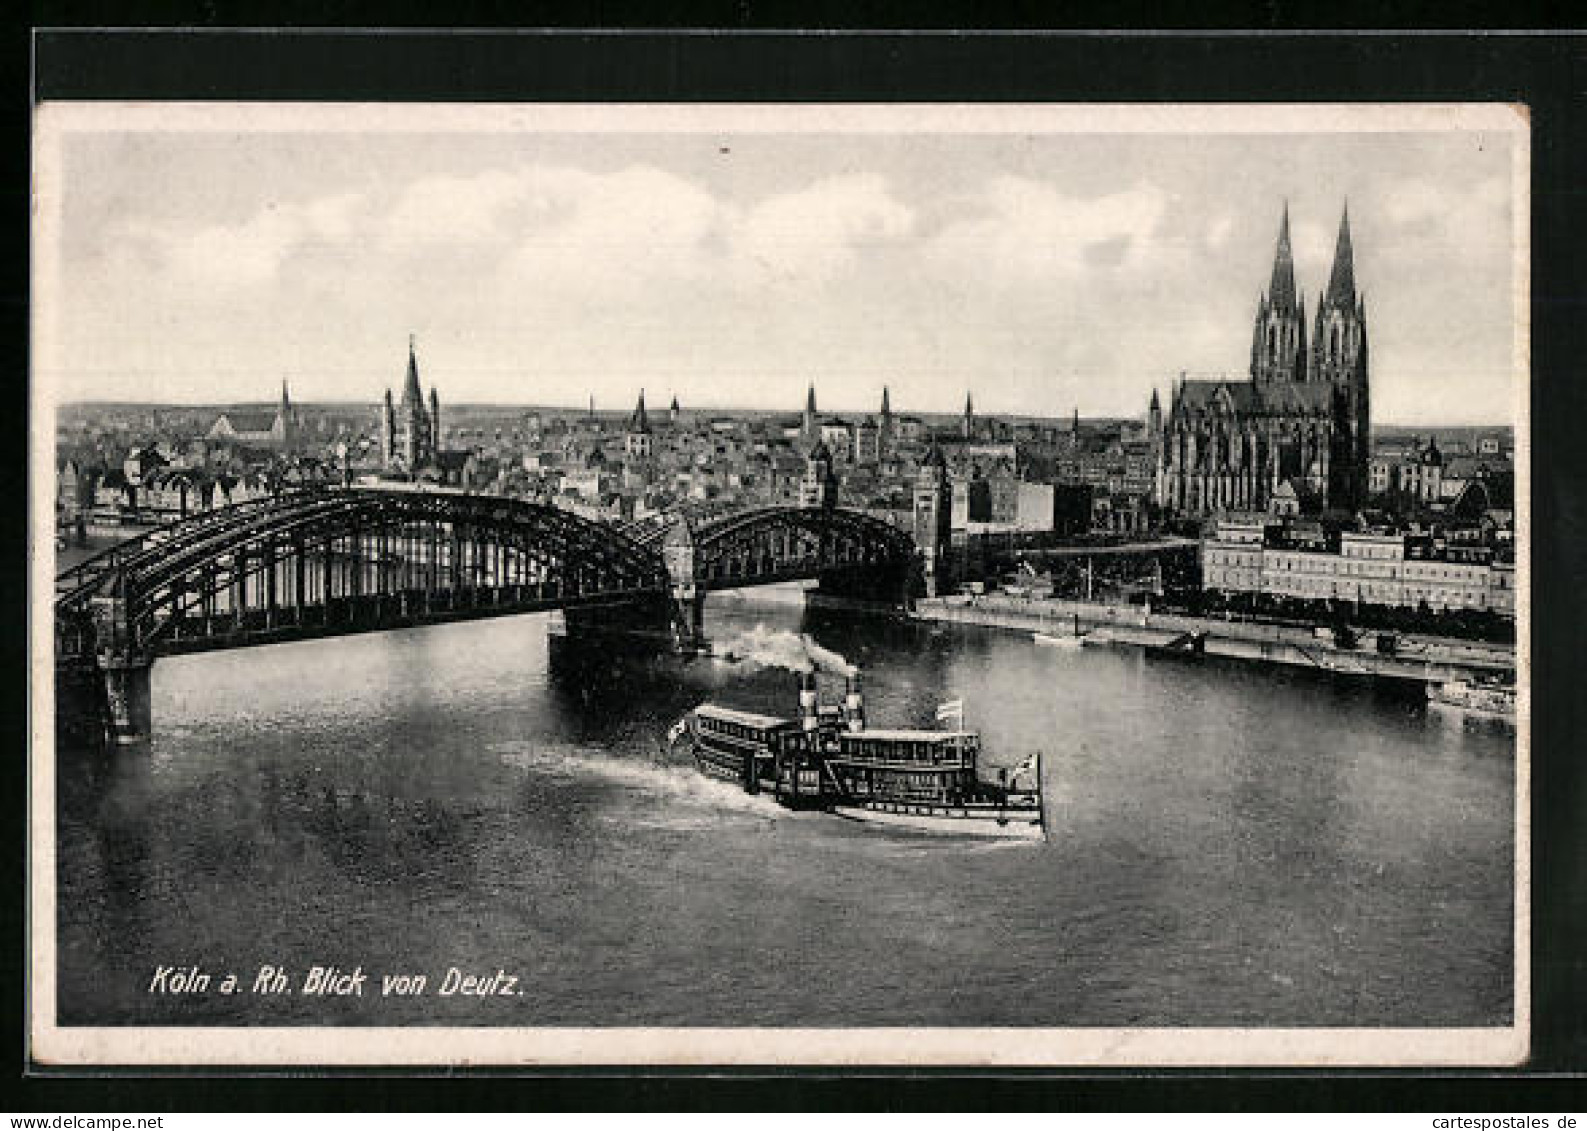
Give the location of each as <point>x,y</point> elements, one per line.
<point>1304,560</point>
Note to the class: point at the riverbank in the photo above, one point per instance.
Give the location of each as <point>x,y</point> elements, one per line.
<point>1417,658</point>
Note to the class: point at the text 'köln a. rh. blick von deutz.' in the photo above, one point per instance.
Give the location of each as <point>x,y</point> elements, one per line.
<point>333,981</point>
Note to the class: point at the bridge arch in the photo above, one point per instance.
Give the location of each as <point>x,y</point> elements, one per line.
<point>335,559</point>
<point>794,543</point>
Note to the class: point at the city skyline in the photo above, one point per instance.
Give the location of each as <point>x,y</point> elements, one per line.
<point>1043,273</point>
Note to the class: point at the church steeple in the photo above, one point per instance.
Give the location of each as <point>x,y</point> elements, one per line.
<point>1281,288</point>
<point>410,386</point>
<point>637,441</point>
<point>1342,280</point>
<point>1278,339</point>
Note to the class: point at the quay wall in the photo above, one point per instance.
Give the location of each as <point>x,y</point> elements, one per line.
<point>1422,658</point>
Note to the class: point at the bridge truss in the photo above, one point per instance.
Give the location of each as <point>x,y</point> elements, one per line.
<point>336,561</point>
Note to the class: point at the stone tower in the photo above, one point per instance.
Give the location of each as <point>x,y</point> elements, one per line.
<point>884,435</point>
<point>388,431</point>
<point>934,520</point>
<point>1339,358</point>
<point>968,425</point>
<point>413,436</point>
<point>638,440</point>
<point>1278,340</point>
<point>286,422</point>
<point>809,426</point>
<point>819,488</point>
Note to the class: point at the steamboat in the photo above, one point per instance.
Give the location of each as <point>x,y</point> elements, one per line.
<point>829,759</point>
<point>1476,697</point>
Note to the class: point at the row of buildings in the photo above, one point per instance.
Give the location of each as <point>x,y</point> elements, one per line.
<point>1461,569</point>
<point>1289,443</point>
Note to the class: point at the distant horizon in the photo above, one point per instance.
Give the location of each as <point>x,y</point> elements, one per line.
<point>726,410</point>
<point>1041,258</point>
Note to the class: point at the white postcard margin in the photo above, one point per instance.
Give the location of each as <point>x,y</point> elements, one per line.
<point>422,1046</point>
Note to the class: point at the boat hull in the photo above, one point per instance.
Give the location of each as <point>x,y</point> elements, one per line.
<point>955,820</point>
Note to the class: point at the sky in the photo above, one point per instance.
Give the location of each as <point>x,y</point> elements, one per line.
<point>1043,270</point>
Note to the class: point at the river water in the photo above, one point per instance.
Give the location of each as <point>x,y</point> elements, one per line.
<point>1230,845</point>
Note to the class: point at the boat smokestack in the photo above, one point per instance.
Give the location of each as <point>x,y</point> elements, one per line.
<point>854,703</point>
<point>809,716</point>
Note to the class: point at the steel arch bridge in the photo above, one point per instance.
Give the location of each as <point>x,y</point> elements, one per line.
<point>337,561</point>
<point>797,543</point>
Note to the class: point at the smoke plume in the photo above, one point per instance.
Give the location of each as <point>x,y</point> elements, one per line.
<point>761,647</point>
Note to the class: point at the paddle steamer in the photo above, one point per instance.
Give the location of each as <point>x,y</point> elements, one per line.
<point>828,758</point>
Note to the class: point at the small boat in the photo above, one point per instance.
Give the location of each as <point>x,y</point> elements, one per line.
<point>1067,643</point>
<point>829,759</point>
<point>1488,699</point>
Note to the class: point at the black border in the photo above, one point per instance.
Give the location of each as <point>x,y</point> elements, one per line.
<point>1542,71</point>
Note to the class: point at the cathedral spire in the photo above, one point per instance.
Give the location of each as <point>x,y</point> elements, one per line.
<point>410,387</point>
<point>641,420</point>
<point>1342,281</point>
<point>1281,288</point>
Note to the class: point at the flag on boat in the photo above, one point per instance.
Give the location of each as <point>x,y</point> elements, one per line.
<point>953,709</point>
<point>677,730</point>
<point>1025,766</point>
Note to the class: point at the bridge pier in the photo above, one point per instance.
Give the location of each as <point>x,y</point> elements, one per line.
<point>129,711</point>
<point>125,669</point>
<point>688,620</point>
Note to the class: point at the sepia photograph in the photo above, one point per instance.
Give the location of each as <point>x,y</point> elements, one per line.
<point>996,585</point>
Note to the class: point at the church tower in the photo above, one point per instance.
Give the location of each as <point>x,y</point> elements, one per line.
<point>968,427</point>
<point>809,424</point>
<point>435,421</point>
<point>1339,358</point>
<point>388,431</point>
<point>884,435</point>
<point>934,520</point>
<point>286,424</point>
<point>1278,342</point>
<point>638,441</point>
<point>413,439</point>
<point>820,485</point>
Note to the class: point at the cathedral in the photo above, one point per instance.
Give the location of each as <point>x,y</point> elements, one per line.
<point>410,434</point>
<point>1302,420</point>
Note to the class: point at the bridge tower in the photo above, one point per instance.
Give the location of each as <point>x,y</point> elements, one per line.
<point>934,521</point>
<point>124,667</point>
<point>820,485</point>
<point>688,600</point>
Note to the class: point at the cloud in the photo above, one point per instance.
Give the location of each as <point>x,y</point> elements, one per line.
<point>248,253</point>
<point>819,230</point>
<point>617,229</point>
<point>1428,215</point>
<point>450,210</point>
<point>1030,230</point>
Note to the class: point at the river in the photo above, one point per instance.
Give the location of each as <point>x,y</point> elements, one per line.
<point>1229,844</point>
